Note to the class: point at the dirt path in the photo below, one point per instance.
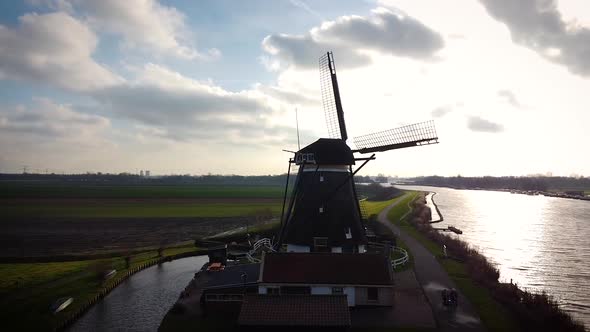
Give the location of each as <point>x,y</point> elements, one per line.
<point>433,278</point>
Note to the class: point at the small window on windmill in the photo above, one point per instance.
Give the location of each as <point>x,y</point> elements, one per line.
<point>348,233</point>
<point>321,177</point>
<point>321,209</point>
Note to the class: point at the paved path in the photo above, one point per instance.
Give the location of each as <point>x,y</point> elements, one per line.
<point>433,278</point>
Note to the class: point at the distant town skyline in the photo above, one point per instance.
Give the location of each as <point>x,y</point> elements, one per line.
<point>179,87</point>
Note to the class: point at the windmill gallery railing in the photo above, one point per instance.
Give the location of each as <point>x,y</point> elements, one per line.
<point>262,244</point>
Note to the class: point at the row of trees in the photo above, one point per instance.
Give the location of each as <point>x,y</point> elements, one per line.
<point>540,183</point>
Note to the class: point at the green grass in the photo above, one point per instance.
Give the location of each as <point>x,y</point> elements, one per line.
<point>24,275</point>
<point>375,207</point>
<point>40,284</point>
<point>492,314</point>
<point>402,208</point>
<point>77,190</point>
<point>137,209</point>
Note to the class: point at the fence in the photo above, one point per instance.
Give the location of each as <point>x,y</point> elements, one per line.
<point>402,260</point>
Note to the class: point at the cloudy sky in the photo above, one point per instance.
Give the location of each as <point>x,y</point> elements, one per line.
<point>212,86</point>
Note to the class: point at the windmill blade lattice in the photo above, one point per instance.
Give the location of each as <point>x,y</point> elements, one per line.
<point>330,96</point>
<point>417,134</point>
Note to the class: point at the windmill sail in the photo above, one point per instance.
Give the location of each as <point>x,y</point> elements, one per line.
<point>417,134</point>
<point>331,98</point>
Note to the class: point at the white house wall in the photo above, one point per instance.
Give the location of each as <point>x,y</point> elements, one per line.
<point>350,296</point>
<point>297,248</point>
<point>321,290</point>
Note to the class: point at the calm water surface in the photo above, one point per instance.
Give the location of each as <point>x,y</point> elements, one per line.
<point>541,243</point>
<point>140,303</point>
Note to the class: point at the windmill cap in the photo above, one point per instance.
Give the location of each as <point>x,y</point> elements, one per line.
<point>327,151</point>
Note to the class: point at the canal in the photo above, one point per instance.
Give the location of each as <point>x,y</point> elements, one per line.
<point>140,302</point>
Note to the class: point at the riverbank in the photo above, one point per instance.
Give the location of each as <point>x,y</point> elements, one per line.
<point>479,280</point>
<point>440,217</point>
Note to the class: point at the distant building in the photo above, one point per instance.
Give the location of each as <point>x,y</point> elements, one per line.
<point>141,173</point>
<point>147,173</point>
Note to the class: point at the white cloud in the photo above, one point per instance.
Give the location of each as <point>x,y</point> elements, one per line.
<point>53,48</point>
<point>441,111</point>
<point>144,24</point>
<point>385,31</point>
<point>476,123</point>
<point>49,120</point>
<point>169,105</point>
<point>538,25</point>
<point>509,97</point>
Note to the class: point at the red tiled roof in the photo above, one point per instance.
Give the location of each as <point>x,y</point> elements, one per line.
<point>326,268</point>
<point>295,310</point>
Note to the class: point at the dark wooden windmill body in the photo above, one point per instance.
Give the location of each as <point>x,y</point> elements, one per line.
<point>323,213</point>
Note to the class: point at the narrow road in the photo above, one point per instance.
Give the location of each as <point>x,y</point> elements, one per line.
<point>433,278</point>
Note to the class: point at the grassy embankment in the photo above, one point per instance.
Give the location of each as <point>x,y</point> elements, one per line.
<point>493,315</point>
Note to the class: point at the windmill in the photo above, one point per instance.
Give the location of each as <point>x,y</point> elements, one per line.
<point>323,213</point>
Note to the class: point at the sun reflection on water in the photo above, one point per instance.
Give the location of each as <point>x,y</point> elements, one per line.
<point>540,243</point>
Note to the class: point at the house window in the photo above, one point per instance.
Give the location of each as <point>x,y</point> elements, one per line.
<point>273,290</point>
<point>296,290</point>
<point>322,209</point>
<point>337,290</point>
<point>321,178</point>
<point>372,294</point>
<point>320,244</point>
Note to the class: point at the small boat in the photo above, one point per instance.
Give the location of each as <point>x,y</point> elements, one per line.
<point>110,274</point>
<point>61,304</point>
<point>455,230</point>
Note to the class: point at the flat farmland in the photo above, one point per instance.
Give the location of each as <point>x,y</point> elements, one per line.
<point>137,208</point>
<point>38,189</point>
<point>46,219</point>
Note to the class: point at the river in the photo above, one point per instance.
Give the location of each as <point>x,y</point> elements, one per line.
<point>541,243</point>
<point>140,302</point>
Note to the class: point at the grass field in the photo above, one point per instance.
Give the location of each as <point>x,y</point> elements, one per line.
<point>492,314</point>
<point>77,190</point>
<point>124,208</point>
